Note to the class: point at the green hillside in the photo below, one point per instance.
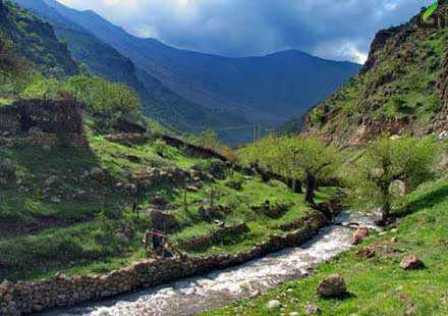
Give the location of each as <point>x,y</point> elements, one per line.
<point>398,90</point>
<point>82,172</point>
<point>376,283</point>
<point>36,41</point>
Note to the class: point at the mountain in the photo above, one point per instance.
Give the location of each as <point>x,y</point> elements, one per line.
<point>267,89</point>
<point>401,89</point>
<point>35,41</point>
<point>103,60</point>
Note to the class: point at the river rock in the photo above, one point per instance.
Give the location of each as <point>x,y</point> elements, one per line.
<point>359,235</point>
<point>411,262</point>
<point>273,304</point>
<point>332,287</point>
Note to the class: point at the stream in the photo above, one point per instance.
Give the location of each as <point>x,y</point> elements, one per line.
<point>220,288</point>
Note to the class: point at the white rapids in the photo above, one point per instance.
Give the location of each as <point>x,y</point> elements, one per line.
<point>217,289</point>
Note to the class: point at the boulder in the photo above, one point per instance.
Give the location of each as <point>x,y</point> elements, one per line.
<point>273,304</point>
<point>359,235</point>
<point>411,262</point>
<point>332,287</point>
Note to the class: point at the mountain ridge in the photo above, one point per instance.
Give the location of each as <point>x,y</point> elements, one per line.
<point>102,59</point>
<point>220,82</point>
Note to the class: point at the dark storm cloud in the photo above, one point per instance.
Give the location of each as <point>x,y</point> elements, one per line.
<point>338,29</point>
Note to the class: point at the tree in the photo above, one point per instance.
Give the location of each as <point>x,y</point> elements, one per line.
<point>101,96</point>
<point>312,160</point>
<point>304,158</point>
<point>389,169</point>
<point>41,87</point>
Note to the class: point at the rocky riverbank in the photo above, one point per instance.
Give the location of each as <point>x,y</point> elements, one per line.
<point>61,291</point>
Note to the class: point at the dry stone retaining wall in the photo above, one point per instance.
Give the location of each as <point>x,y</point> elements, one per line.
<point>215,237</point>
<point>61,291</point>
<point>42,122</point>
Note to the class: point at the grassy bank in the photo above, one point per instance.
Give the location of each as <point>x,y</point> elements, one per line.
<point>54,218</point>
<point>378,286</point>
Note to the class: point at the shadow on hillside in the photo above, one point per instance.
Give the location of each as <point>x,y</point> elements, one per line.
<point>428,200</point>
<point>53,191</point>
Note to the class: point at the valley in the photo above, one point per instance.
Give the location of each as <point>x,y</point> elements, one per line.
<point>192,91</point>
<point>137,178</point>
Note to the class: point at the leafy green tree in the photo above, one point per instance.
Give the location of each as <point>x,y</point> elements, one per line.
<point>312,160</point>
<point>101,96</point>
<point>389,169</point>
<point>304,158</point>
<point>42,88</point>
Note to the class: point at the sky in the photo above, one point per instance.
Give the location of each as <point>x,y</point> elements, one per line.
<point>333,29</point>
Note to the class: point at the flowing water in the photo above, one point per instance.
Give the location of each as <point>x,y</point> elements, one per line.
<point>217,289</point>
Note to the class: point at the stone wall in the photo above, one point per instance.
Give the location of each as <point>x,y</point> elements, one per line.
<point>61,291</point>
<point>217,236</point>
<point>210,153</point>
<point>42,121</point>
<point>193,149</point>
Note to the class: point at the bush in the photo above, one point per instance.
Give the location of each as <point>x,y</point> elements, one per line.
<point>389,169</point>
<point>101,96</point>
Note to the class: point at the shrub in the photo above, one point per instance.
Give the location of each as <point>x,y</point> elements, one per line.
<point>387,165</point>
